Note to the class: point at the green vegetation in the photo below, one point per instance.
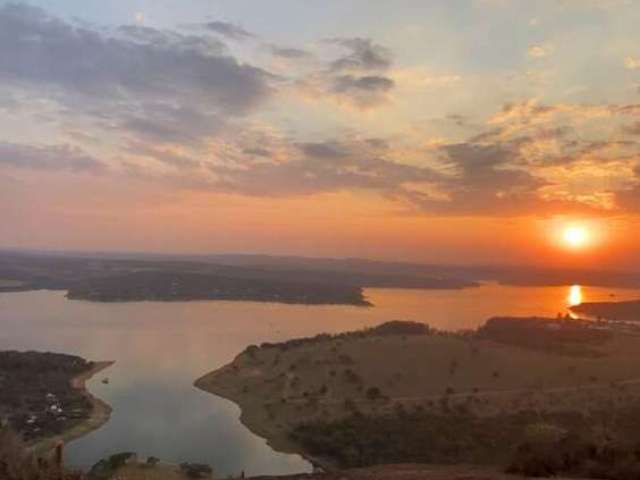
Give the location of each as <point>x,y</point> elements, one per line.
<point>412,437</point>
<point>36,395</point>
<point>615,311</point>
<point>571,338</point>
<point>609,450</point>
<point>182,286</point>
<point>603,444</point>
<point>106,468</point>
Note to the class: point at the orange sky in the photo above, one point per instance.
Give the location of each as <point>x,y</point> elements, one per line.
<point>132,218</point>
<point>460,132</point>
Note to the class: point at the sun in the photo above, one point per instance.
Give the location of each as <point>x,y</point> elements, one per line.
<point>576,236</point>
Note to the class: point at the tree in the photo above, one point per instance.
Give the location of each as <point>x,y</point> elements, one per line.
<point>373,393</point>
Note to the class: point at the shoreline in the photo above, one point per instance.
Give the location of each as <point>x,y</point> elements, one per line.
<point>276,442</point>
<point>312,382</point>
<point>99,416</point>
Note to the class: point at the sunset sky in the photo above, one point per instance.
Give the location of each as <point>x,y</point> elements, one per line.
<point>443,131</point>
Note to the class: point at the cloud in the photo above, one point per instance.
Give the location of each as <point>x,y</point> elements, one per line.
<point>139,80</point>
<point>472,178</point>
<point>487,180</point>
<point>523,115</point>
<point>229,30</point>
<point>365,91</point>
<point>577,162</point>
<point>178,107</point>
<point>331,150</point>
<point>289,53</point>
<point>360,79</point>
<point>532,159</point>
<point>323,167</point>
<point>629,199</point>
<point>49,157</point>
<point>40,49</point>
<point>162,123</point>
<point>171,158</point>
<point>363,56</point>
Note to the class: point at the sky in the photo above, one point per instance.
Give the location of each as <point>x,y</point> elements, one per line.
<point>450,131</point>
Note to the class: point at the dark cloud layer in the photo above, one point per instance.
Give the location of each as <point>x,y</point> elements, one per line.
<point>38,49</point>
<point>365,91</point>
<point>158,85</point>
<point>371,84</point>
<point>363,56</point>
<point>324,150</point>
<point>486,179</point>
<point>358,76</point>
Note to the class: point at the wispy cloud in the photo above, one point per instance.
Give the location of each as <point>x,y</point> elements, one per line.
<point>229,30</point>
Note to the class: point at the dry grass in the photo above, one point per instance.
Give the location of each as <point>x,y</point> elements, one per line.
<point>278,390</point>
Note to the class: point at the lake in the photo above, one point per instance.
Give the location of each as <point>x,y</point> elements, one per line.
<point>161,348</point>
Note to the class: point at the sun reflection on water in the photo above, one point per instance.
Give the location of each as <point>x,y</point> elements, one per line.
<point>575,296</point>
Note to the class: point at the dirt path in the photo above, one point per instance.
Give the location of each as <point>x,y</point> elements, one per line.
<point>483,394</point>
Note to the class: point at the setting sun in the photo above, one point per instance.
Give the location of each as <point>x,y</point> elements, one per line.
<point>576,237</point>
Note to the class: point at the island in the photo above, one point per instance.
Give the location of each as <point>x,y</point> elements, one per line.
<point>528,394</point>
<point>43,397</point>
<point>135,278</point>
<point>182,286</point>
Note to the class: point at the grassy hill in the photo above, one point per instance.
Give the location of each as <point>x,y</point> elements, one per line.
<point>418,395</point>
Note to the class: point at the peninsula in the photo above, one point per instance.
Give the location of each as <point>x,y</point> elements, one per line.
<point>405,393</point>
<point>612,311</point>
<point>43,397</point>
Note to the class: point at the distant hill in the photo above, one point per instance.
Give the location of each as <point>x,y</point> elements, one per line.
<point>21,271</point>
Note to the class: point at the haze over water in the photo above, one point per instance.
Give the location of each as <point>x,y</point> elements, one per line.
<point>161,348</point>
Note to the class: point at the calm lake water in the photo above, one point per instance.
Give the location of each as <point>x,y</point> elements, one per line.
<point>161,348</point>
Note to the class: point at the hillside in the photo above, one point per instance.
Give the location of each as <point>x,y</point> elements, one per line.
<point>615,311</point>
<point>401,393</point>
